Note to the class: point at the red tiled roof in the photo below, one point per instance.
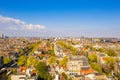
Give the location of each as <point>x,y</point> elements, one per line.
<point>89,71</point>
<point>23,68</point>
<point>105,58</point>
<point>64,67</point>
<point>33,72</point>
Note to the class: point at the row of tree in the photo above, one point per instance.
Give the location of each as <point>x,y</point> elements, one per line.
<point>102,68</point>
<point>67,46</point>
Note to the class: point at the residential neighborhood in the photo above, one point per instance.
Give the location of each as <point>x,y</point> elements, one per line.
<point>59,59</point>
<point>59,39</point>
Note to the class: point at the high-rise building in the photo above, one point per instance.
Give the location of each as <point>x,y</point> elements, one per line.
<point>3,36</point>
<point>0,35</point>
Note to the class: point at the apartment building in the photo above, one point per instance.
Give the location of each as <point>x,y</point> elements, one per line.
<point>76,64</point>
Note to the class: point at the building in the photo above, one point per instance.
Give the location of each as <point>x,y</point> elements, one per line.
<point>0,35</point>
<point>101,57</point>
<point>24,73</point>
<point>89,77</point>
<point>75,64</point>
<point>22,77</point>
<point>86,70</point>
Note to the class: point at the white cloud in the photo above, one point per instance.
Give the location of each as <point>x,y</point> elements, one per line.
<point>31,26</point>
<point>12,28</point>
<point>18,24</point>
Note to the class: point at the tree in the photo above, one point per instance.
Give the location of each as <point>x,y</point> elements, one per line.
<point>100,50</point>
<point>67,46</point>
<point>92,57</point>
<point>14,70</point>
<point>73,50</point>
<point>64,61</point>
<point>63,76</point>
<point>109,65</point>
<point>110,61</point>
<point>52,60</point>
<point>42,71</point>
<point>21,52</point>
<point>22,60</point>
<point>61,43</point>
<point>32,61</point>
<point>96,67</point>
<point>34,47</point>
<point>6,60</point>
<point>111,52</point>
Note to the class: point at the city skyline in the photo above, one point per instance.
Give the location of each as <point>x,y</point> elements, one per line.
<point>60,18</point>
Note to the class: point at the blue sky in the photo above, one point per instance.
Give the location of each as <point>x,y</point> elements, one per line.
<point>75,18</point>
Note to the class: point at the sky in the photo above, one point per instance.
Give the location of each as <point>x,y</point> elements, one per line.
<point>60,18</point>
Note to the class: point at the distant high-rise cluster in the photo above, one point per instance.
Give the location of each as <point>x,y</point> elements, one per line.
<point>3,36</point>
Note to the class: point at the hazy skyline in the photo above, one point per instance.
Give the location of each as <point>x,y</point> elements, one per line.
<point>61,18</point>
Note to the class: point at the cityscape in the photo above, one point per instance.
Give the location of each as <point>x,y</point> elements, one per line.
<point>59,40</point>
<point>59,58</point>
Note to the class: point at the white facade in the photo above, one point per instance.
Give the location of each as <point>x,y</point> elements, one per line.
<point>21,77</point>
<point>57,77</point>
<point>17,77</point>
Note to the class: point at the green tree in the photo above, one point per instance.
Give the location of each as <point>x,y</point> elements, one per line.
<point>96,67</point>
<point>52,60</point>
<point>6,60</point>
<point>22,60</point>
<point>73,50</point>
<point>92,57</point>
<point>14,70</point>
<point>64,61</point>
<point>110,62</point>
<point>9,77</point>
<point>34,47</point>
<point>64,76</point>
<point>42,71</point>
<point>32,61</point>
<point>67,46</point>
<point>21,52</point>
<point>100,50</point>
<point>61,43</point>
<point>91,48</point>
<point>111,52</point>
